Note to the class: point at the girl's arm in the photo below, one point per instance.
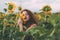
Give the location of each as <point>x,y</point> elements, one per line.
<point>21,27</point>
<point>20,24</point>
<point>32,26</point>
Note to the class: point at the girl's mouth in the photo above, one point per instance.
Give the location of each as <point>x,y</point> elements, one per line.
<point>25,18</point>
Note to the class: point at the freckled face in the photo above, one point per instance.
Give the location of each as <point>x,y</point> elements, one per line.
<point>25,16</point>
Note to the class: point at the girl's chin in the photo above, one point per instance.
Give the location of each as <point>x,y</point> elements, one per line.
<point>25,20</point>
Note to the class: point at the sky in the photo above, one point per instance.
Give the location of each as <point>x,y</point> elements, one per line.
<point>33,5</point>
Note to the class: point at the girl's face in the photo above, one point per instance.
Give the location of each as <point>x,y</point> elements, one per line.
<point>25,17</point>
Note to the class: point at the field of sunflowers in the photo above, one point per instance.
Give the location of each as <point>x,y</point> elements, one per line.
<point>48,28</point>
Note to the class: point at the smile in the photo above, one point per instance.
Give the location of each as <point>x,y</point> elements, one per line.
<point>25,18</point>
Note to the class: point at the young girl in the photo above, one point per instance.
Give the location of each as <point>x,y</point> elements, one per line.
<point>27,19</point>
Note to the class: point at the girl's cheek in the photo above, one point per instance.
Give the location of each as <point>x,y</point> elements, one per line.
<point>28,17</point>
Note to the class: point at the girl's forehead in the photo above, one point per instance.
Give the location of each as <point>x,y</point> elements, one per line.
<point>24,12</point>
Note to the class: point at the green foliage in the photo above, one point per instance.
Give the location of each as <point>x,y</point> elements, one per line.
<point>5,9</point>
<point>46,30</point>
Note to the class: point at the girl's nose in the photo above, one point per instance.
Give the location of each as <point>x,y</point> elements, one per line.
<point>24,17</point>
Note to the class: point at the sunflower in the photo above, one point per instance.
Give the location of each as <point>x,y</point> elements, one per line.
<point>17,16</point>
<point>19,8</point>
<point>48,12</point>
<point>38,16</point>
<point>47,9</point>
<point>0,16</point>
<point>11,6</point>
<point>21,15</point>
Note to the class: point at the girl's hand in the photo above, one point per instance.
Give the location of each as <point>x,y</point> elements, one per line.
<point>20,22</point>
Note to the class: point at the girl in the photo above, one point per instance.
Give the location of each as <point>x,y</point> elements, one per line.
<point>27,19</point>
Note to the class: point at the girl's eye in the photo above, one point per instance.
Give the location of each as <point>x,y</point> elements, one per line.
<point>26,14</point>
